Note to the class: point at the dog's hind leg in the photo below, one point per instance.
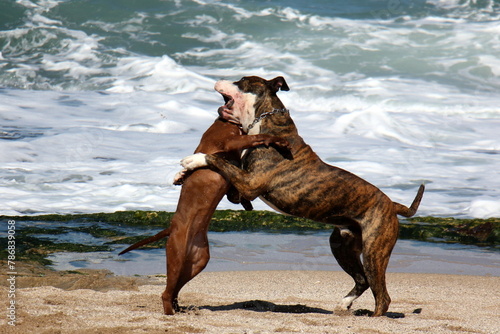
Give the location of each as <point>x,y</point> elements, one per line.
<point>377,248</point>
<point>345,244</point>
<point>187,255</point>
<point>175,251</point>
<point>196,258</point>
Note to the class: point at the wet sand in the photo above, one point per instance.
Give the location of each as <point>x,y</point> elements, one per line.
<point>94,301</point>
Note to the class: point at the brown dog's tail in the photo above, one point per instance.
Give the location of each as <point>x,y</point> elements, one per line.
<point>408,212</point>
<point>156,237</point>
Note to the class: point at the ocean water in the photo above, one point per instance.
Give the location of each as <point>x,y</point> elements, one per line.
<point>100,99</point>
<point>249,251</point>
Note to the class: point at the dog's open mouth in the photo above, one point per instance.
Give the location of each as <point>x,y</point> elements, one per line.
<point>229,101</point>
<point>226,111</point>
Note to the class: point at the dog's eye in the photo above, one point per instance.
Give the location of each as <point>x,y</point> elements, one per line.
<point>242,80</point>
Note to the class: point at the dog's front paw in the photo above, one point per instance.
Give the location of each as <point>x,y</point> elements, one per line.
<point>282,142</point>
<point>179,177</point>
<point>194,161</point>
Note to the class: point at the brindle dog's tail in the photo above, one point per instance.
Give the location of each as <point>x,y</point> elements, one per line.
<point>408,212</point>
<point>156,237</point>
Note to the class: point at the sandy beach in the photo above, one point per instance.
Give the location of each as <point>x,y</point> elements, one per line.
<point>92,301</point>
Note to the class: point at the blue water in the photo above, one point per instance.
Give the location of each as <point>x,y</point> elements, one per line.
<point>91,45</point>
<point>99,100</point>
<point>241,251</point>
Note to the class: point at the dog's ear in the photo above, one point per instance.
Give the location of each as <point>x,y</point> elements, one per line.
<point>278,83</point>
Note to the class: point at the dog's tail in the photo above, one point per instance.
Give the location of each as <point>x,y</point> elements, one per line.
<point>408,212</point>
<point>156,237</point>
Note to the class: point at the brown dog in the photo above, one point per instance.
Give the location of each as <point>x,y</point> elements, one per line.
<point>364,217</point>
<point>187,247</point>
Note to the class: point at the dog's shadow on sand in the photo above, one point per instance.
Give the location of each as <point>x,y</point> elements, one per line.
<point>265,306</point>
<point>368,313</point>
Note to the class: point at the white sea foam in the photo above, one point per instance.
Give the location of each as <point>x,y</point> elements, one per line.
<point>107,152</point>
<point>155,74</point>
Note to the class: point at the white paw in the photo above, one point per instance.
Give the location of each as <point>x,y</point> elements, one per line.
<point>346,302</point>
<point>194,161</point>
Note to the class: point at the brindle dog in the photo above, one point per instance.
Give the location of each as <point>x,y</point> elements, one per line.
<point>364,217</point>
